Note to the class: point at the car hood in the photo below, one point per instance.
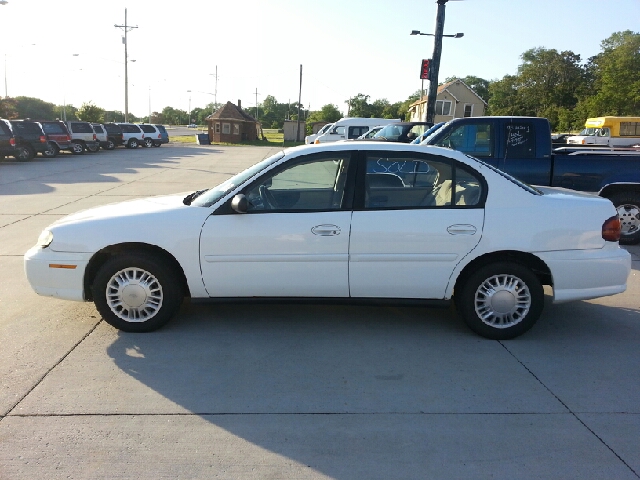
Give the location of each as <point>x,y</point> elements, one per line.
<point>127,208</point>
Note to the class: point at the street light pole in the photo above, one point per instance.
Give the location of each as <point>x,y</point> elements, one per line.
<point>126,29</point>
<point>434,67</point>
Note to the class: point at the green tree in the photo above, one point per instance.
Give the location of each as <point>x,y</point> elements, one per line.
<point>29,107</point>
<point>88,112</point>
<point>8,108</point>
<point>616,77</point>
<point>114,116</point>
<point>359,106</point>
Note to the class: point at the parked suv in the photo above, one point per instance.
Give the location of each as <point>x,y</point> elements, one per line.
<point>114,135</point>
<point>152,136</point>
<point>83,137</point>
<point>164,136</point>
<point>102,137</point>
<point>7,140</point>
<point>58,137</point>
<point>30,138</point>
<point>132,135</point>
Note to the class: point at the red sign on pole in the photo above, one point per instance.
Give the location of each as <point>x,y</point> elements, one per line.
<point>424,69</point>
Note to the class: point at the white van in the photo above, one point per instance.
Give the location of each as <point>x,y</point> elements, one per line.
<point>351,128</point>
<point>309,139</point>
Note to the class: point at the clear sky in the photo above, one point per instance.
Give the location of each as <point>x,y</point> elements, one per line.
<point>69,50</point>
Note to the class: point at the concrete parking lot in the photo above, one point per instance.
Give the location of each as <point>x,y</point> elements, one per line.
<point>236,391</point>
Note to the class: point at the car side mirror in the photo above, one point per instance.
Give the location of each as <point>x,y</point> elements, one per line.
<point>240,204</point>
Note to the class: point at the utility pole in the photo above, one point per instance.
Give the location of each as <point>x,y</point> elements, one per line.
<point>126,29</point>
<point>434,67</point>
<point>299,100</point>
<point>256,103</point>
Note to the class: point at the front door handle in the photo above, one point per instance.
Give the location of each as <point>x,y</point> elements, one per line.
<point>326,230</point>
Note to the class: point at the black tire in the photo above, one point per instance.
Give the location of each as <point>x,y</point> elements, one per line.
<point>501,300</point>
<point>157,144</point>
<point>148,142</point>
<point>628,206</point>
<point>77,148</point>
<point>24,153</point>
<point>93,148</point>
<point>110,145</point>
<point>137,292</point>
<point>51,151</point>
<point>133,143</point>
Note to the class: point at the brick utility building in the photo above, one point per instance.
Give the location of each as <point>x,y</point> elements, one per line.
<point>230,124</point>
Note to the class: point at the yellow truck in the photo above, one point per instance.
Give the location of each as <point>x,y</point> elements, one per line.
<point>609,131</point>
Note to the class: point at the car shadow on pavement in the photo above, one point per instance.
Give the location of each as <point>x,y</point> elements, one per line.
<point>40,175</point>
<point>272,374</point>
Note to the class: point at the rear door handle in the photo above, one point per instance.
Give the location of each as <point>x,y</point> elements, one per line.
<point>462,230</point>
<point>326,230</point>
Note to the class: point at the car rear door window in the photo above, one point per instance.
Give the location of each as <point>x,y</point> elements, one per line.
<point>476,139</point>
<point>400,181</point>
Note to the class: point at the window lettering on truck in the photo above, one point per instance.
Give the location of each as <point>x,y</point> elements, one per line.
<point>520,140</point>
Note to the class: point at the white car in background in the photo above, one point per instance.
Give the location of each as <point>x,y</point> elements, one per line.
<point>349,220</point>
<point>309,139</point>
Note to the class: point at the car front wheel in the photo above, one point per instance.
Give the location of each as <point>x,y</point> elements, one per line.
<point>136,292</point>
<point>133,143</point>
<point>501,300</point>
<point>51,151</point>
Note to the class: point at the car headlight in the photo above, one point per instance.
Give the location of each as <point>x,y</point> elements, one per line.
<point>45,239</point>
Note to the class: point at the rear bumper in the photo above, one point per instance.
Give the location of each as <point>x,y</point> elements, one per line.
<point>586,274</point>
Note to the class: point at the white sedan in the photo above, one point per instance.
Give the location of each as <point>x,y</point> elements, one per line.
<point>365,220</point>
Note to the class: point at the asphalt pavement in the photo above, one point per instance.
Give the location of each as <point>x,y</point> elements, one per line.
<point>236,391</point>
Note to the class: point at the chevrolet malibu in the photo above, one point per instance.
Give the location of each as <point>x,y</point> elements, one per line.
<point>368,221</point>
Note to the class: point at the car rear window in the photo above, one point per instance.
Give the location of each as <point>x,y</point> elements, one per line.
<point>161,128</point>
<point>81,127</point>
<point>98,129</point>
<point>4,129</point>
<point>129,128</point>
<point>148,128</point>
<point>22,128</point>
<point>111,128</point>
<point>54,129</point>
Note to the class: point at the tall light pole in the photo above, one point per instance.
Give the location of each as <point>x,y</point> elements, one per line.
<point>215,91</point>
<point>189,119</point>
<point>126,29</point>
<point>434,66</point>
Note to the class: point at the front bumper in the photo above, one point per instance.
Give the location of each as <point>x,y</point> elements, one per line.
<point>56,274</point>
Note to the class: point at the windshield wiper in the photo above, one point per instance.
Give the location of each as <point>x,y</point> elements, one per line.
<point>192,196</point>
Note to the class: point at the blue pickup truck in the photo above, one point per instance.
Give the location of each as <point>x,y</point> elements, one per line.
<point>521,146</point>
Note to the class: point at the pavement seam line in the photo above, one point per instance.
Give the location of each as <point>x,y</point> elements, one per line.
<point>40,380</point>
<point>600,439</point>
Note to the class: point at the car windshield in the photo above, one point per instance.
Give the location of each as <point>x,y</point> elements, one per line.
<point>211,196</point>
<point>588,132</point>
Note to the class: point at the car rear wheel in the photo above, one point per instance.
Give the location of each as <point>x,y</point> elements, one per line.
<point>93,148</point>
<point>77,148</point>
<point>132,143</point>
<point>628,206</point>
<point>110,145</point>
<point>500,300</point>
<point>51,151</point>
<point>156,144</point>
<point>148,142</point>
<point>137,292</point>
<point>24,153</point>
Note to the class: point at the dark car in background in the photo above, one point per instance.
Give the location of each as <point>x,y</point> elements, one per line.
<point>404,132</point>
<point>114,135</point>
<point>7,140</point>
<point>30,139</point>
<point>58,137</point>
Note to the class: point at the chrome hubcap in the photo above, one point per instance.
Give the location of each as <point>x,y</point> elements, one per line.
<point>502,301</point>
<point>134,295</point>
<point>629,219</point>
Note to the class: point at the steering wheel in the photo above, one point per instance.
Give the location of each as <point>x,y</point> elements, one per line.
<point>267,198</point>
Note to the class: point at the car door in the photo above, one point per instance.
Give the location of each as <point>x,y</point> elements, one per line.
<point>294,239</point>
<point>415,217</point>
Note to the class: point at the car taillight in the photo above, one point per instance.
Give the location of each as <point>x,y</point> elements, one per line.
<point>611,229</point>
<point>159,136</point>
<point>94,136</point>
<point>68,138</point>
<point>43,139</point>
<point>12,142</point>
